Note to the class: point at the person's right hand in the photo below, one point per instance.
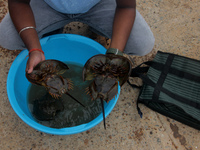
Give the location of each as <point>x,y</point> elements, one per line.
<point>35,57</point>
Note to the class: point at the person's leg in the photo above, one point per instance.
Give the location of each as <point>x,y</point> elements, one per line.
<point>100,18</point>
<point>141,40</point>
<point>9,38</point>
<point>47,20</point>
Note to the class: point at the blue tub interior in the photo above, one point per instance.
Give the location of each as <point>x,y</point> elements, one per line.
<point>63,47</point>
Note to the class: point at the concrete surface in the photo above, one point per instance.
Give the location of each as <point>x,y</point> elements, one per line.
<point>176,26</point>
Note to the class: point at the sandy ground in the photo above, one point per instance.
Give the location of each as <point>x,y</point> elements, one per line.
<point>176,26</point>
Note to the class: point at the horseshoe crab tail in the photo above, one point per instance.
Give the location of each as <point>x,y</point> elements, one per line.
<point>75,99</point>
<point>104,118</point>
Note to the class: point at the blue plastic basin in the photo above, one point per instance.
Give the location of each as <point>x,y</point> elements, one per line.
<point>63,47</point>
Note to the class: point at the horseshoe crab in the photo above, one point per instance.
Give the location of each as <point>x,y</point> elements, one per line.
<point>106,71</point>
<point>46,108</point>
<point>48,74</point>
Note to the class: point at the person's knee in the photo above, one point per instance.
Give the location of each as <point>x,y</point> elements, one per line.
<point>141,40</point>
<point>140,45</point>
<point>147,46</point>
<point>9,38</point>
<point>10,43</point>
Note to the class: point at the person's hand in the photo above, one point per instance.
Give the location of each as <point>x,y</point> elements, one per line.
<point>35,57</point>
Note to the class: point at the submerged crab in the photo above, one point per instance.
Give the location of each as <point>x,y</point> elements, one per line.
<point>46,108</point>
<point>106,71</point>
<point>48,74</point>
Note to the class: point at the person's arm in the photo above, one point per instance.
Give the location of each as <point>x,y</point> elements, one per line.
<point>22,16</point>
<point>123,23</point>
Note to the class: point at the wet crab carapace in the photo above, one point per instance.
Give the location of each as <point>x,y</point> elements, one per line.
<point>48,74</point>
<point>106,71</point>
